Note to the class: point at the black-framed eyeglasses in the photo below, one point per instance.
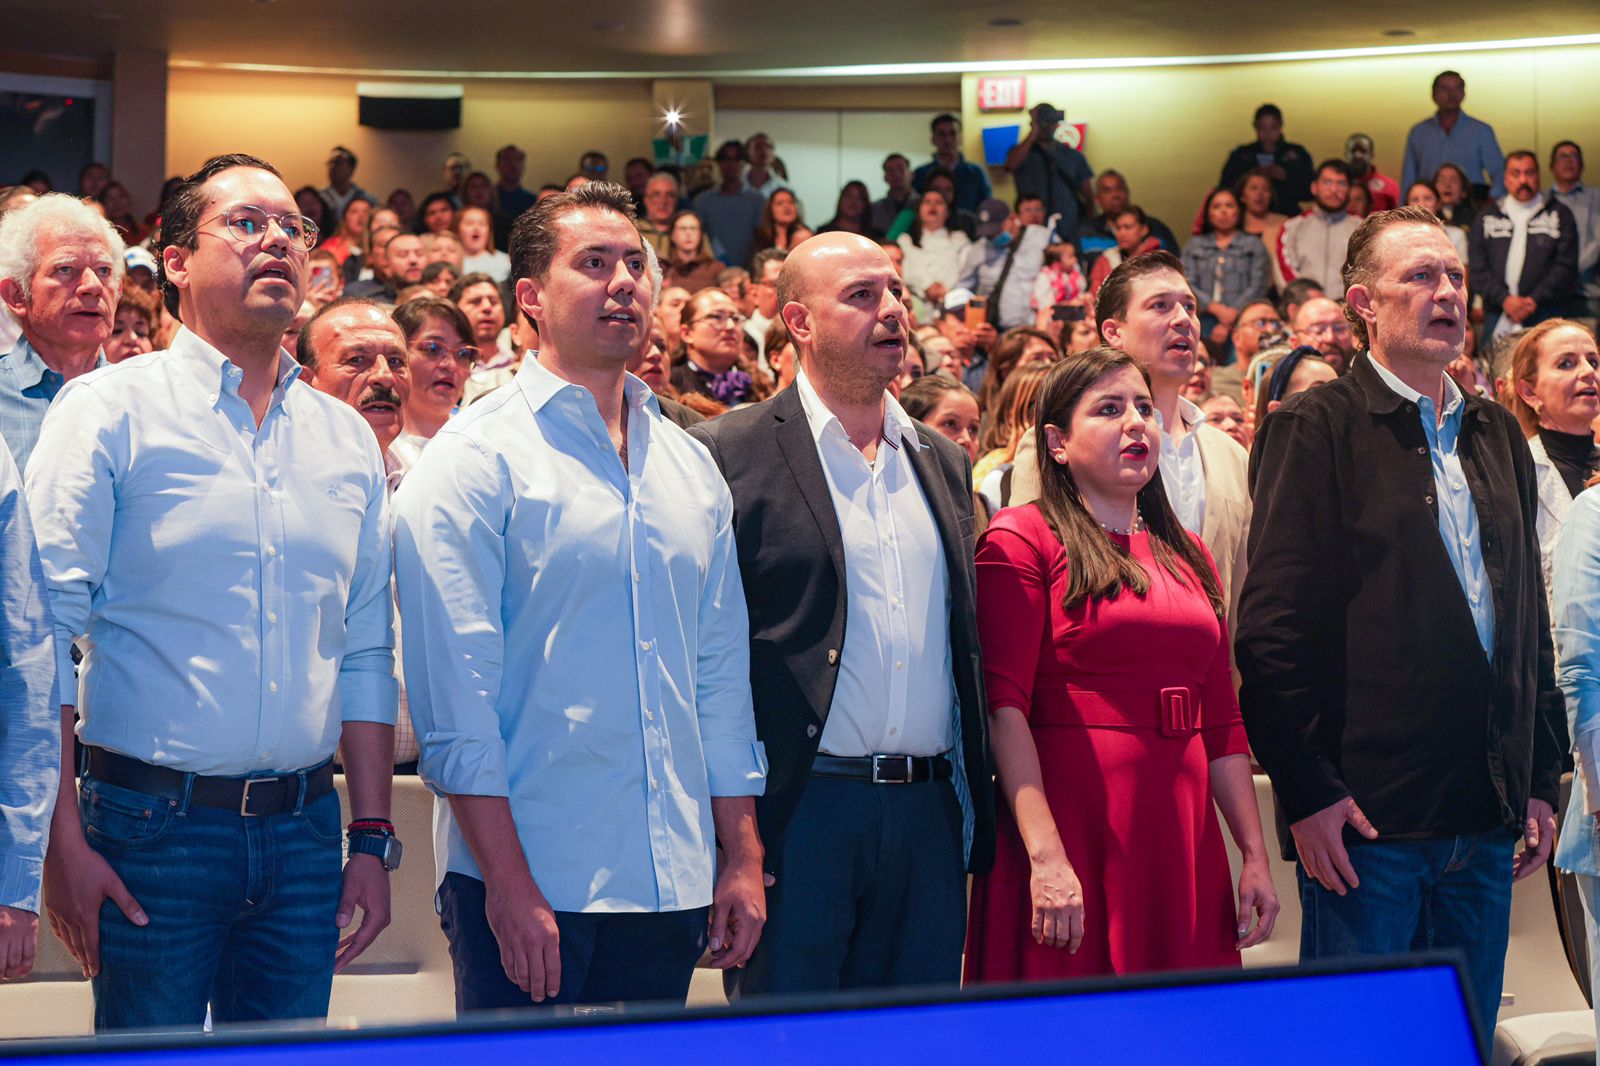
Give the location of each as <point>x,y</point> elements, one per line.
<point>466,355</point>
<point>249,224</point>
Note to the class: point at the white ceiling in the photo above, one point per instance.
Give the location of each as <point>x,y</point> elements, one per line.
<point>709,36</point>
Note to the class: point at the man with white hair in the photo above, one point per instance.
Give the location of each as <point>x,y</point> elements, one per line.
<point>61,267</point>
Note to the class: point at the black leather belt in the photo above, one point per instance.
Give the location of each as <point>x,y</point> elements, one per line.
<point>884,769</point>
<point>250,797</point>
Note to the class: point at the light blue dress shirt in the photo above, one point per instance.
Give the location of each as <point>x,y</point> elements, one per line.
<point>576,641</point>
<point>1458,512</point>
<point>232,581</point>
<point>1470,145</point>
<point>27,388</point>
<point>1576,619</point>
<point>30,724</point>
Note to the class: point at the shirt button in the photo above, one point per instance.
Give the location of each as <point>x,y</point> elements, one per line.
<point>272,686</point>
<point>899,666</point>
<point>638,576</point>
<point>811,730</point>
<point>272,549</point>
<point>894,732</point>
<point>1428,500</point>
<point>1457,486</point>
<point>650,716</point>
<point>644,645</point>
<point>272,616</point>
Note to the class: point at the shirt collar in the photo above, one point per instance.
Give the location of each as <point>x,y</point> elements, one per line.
<point>540,385</point>
<point>1189,414</point>
<point>897,425</point>
<point>1452,394</point>
<point>216,372</point>
<point>30,369</point>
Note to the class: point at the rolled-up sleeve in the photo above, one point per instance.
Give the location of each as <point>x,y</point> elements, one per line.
<point>30,725</point>
<point>736,762</point>
<point>1577,634</point>
<point>449,564</point>
<point>368,690</point>
<point>71,490</point>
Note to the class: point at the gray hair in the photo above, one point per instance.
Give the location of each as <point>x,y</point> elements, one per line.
<point>657,276</point>
<point>25,230</point>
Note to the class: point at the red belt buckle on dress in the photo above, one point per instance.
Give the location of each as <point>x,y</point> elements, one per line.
<point>1175,720</point>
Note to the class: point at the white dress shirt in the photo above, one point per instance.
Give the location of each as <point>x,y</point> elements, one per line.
<point>1183,472</point>
<point>577,641</point>
<point>896,688</point>
<point>232,581</point>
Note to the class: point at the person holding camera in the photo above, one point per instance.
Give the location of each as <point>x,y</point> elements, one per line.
<point>1044,167</point>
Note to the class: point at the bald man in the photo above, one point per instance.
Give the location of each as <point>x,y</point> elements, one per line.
<point>1320,322</point>
<point>878,796</point>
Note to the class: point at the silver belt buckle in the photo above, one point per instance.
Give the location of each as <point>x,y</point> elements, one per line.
<point>244,799</point>
<point>878,761</point>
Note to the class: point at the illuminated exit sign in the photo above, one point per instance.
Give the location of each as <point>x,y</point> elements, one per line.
<point>1002,94</point>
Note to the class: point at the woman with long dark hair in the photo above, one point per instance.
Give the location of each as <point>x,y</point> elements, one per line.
<point>1112,711</point>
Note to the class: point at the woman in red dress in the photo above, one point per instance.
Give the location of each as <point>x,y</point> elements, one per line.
<point>1113,715</point>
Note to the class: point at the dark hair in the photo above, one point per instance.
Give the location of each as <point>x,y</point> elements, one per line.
<point>1267,111</point>
<point>736,146</point>
<point>914,231</point>
<point>414,315</point>
<point>919,398</point>
<point>534,236</point>
<point>767,232</point>
<point>1132,209</point>
<point>180,213</point>
<point>941,119</point>
<point>1574,145</point>
<point>1296,293</point>
<point>1002,362</point>
<point>1360,266</point>
<point>1335,165</point>
<point>37,175</point>
<point>1522,153</point>
<point>1205,209</point>
<point>1441,76</point>
<point>306,350</point>
<point>702,253</point>
<point>1100,568</point>
<point>431,272</point>
<point>762,258</point>
<point>641,160</point>
<point>1426,184</point>
<point>1024,197</point>
<point>864,219</point>
<point>467,281</point>
<point>897,155</point>
<point>429,200</point>
<point>1116,290</point>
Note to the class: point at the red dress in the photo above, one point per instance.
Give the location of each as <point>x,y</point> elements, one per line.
<point>1128,700</point>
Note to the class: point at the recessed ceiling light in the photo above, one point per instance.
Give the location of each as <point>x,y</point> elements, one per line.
<point>1005,23</point>
<point>1399,33</point>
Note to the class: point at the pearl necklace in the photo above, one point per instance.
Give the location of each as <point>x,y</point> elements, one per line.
<point>1138,527</point>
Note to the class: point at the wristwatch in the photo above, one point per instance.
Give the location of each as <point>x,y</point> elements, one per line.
<point>384,846</point>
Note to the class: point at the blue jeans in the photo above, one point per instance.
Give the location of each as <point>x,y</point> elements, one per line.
<point>1448,893</point>
<point>241,910</point>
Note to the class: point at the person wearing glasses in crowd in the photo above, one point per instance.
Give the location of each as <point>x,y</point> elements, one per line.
<point>1321,324</point>
<point>219,533</point>
<point>713,332</point>
<point>440,355</point>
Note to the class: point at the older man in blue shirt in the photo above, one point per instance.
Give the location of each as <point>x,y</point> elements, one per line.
<point>61,269</point>
<point>218,531</point>
<point>577,653</point>
<point>1452,136</point>
<point>30,737</point>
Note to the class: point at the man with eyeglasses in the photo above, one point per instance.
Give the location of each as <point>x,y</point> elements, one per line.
<point>441,356</point>
<point>764,290</point>
<point>1257,325</point>
<point>713,337</point>
<point>218,530</point>
<point>1321,323</point>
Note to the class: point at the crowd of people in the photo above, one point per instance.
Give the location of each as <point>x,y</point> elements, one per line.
<point>761,584</point>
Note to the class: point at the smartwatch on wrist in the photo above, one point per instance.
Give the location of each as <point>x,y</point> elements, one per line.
<point>378,840</point>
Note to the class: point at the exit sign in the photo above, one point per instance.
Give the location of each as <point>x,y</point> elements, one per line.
<point>1002,94</point>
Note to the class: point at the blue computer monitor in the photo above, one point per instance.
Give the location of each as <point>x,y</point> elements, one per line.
<point>1410,1011</point>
